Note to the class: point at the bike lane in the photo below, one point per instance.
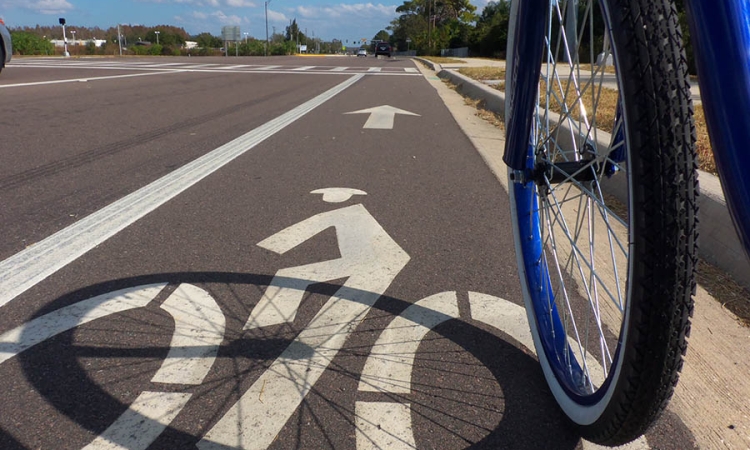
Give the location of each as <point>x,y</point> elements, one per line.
<point>435,214</point>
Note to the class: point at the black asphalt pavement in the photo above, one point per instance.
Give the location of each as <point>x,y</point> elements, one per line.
<point>80,135</point>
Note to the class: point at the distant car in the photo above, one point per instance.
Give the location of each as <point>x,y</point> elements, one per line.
<point>6,48</point>
<point>383,48</point>
<point>361,52</point>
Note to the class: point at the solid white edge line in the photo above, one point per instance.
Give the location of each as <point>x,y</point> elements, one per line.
<point>78,80</point>
<point>25,269</point>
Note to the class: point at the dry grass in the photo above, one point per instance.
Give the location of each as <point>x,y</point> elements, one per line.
<point>605,113</point>
<point>482,112</point>
<point>703,147</point>
<point>444,60</point>
<point>606,103</point>
<point>483,73</point>
<point>726,291</point>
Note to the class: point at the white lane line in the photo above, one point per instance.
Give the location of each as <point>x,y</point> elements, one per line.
<point>410,70</point>
<point>339,69</point>
<point>374,69</point>
<point>80,80</point>
<point>42,328</point>
<point>199,330</point>
<point>382,425</point>
<point>303,68</point>
<point>142,423</point>
<point>269,67</point>
<point>198,66</point>
<point>28,267</point>
<point>390,364</point>
<point>238,66</point>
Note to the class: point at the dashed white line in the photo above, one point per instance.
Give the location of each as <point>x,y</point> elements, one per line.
<point>79,80</point>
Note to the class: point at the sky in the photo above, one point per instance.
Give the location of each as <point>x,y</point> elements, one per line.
<point>346,20</point>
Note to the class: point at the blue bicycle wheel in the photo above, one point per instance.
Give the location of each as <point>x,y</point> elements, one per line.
<point>603,187</point>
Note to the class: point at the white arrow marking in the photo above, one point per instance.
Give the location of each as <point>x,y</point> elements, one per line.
<point>382,117</point>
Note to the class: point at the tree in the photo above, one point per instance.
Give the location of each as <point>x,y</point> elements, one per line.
<point>294,34</point>
<point>490,35</point>
<point>207,40</point>
<point>382,36</point>
<point>433,24</point>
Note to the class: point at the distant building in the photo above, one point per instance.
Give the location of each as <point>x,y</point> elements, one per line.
<point>191,44</point>
<point>77,42</point>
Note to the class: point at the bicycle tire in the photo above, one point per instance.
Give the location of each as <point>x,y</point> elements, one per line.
<point>642,322</point>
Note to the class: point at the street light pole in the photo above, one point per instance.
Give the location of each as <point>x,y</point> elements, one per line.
<point>65,38</point>
<point>119,38</point>
<point>157,36</point>
<point>267,44</point>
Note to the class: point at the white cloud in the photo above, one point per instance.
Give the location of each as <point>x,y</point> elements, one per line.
<point>240,4</point>
<point>342,10</point>
<point>42,6</point>
<point>225,19</point>
<point>209,3</point>
<point>275,16</point>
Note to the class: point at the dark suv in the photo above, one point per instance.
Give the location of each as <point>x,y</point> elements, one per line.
<point>383,48</point>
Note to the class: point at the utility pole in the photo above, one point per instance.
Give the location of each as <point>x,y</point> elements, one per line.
<point>266,6</point>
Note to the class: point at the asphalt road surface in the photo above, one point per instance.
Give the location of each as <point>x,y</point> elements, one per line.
<point>257,253</point>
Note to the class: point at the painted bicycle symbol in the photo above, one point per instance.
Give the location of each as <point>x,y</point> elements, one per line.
<point>370,260</point>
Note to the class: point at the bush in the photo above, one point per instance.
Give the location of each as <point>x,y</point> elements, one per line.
<point>30,44</point>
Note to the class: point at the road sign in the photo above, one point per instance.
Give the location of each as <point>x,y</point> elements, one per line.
<point>231,34</point>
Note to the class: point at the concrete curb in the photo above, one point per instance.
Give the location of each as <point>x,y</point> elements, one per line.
<point>719,244</point>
